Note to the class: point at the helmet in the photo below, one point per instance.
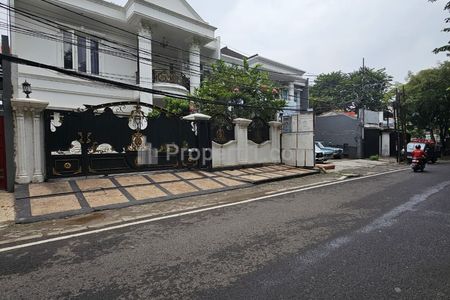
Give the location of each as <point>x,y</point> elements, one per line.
<point>418,147</point>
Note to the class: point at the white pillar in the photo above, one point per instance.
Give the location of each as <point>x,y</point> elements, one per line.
<point>22,176</point>
<point>194,66</point>
<point>275,134</point>
<point>38,175</point>
<point>145,62</point>
<point>28,151</point>
<point>241,136</point>
<point>291,94</point>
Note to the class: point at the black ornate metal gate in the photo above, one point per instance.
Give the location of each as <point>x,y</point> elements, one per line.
<point>116,138</point>
<point>222,129</point>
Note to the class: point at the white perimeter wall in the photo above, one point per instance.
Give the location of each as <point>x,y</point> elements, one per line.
<point>241,152</point>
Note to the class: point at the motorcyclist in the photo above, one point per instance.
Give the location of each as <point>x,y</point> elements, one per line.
<point>419,154</point>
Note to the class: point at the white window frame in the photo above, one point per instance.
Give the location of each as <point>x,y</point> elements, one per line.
<point>75,52</point>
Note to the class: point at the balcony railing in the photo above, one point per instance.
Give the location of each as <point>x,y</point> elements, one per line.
<point>168,76</point>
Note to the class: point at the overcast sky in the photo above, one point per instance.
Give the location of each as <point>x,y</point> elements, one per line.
<point>328,35</point>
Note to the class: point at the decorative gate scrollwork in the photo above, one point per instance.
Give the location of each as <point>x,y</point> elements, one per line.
<point>109,138</point>
<point>258,130</point>
<point>222,129</point>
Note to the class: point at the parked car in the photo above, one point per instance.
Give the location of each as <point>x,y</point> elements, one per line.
<point>337,152</point>
<point>322,155</point>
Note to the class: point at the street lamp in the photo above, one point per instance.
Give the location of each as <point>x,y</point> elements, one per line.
<point>26,88</point>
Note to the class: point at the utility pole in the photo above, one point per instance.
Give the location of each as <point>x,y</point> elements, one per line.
<point>362,110</point>
<point>8,117</point>
<point>396,123</point>
<point>405,142</point>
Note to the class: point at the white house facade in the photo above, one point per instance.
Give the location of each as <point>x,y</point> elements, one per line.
<point>156,44</point>
<point>294,87</point>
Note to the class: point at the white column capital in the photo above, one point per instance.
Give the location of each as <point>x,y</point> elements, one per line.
<point>275,124</point>
<point>242,123</point>
<point>20,105</point>
<point>195,45</point>
<point>145,29</point>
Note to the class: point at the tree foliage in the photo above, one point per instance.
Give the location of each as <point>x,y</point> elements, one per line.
<point>245,85</point>
<point>364,88</point>
<point>445,48</point>
<point>178,107</point>
<point>428,99</point>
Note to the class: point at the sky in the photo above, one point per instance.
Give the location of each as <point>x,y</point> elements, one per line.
<point>332,35</point>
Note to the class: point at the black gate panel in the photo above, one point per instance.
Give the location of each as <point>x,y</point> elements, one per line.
<point>371,142</point>
<point>105,140</point>
<point>222,129</point>
<point>258,130</point>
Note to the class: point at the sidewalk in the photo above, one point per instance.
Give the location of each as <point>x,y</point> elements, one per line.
<point>6,208</point>
<point>60,199</point>
<point>17,233</point>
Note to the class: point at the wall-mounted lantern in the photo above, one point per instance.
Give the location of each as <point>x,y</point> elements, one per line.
<point>26,88</point>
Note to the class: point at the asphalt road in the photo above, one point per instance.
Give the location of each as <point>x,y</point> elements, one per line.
<point>380,237</point>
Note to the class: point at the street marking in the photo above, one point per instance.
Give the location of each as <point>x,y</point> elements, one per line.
<point>191,212</point>
<point>303,186</point>
<point>386,220</point>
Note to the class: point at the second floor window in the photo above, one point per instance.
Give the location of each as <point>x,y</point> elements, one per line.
<point>81,50</point>
<point>94,58</point>
<point>80,53</point>
<point>68,50</point>
<point>284,94</point>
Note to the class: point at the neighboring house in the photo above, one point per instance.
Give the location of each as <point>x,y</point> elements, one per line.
<point>167,44</point>
<point>294,87</point>
<point>360,135</point>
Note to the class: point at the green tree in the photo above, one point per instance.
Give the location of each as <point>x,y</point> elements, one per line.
<point>428,99</point>
<point>364,88</point>
<point>174,106</point>
<point>445,48</point>
<point>249,86</point>
<point>327,92</point>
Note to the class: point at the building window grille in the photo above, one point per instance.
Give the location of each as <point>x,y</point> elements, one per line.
<point>68,50</point>
<point>81,49</point>
<point>94,58</point>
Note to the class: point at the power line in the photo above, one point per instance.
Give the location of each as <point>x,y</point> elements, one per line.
<point>59,26</point>
<point>147,38</point>
<point>130,86</point>
<point>115,54</point>
<point>44,35</point>
<point>118,51</point>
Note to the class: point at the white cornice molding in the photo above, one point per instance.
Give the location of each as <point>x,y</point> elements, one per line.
<point>59,78</point>
<point>256,59</point>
